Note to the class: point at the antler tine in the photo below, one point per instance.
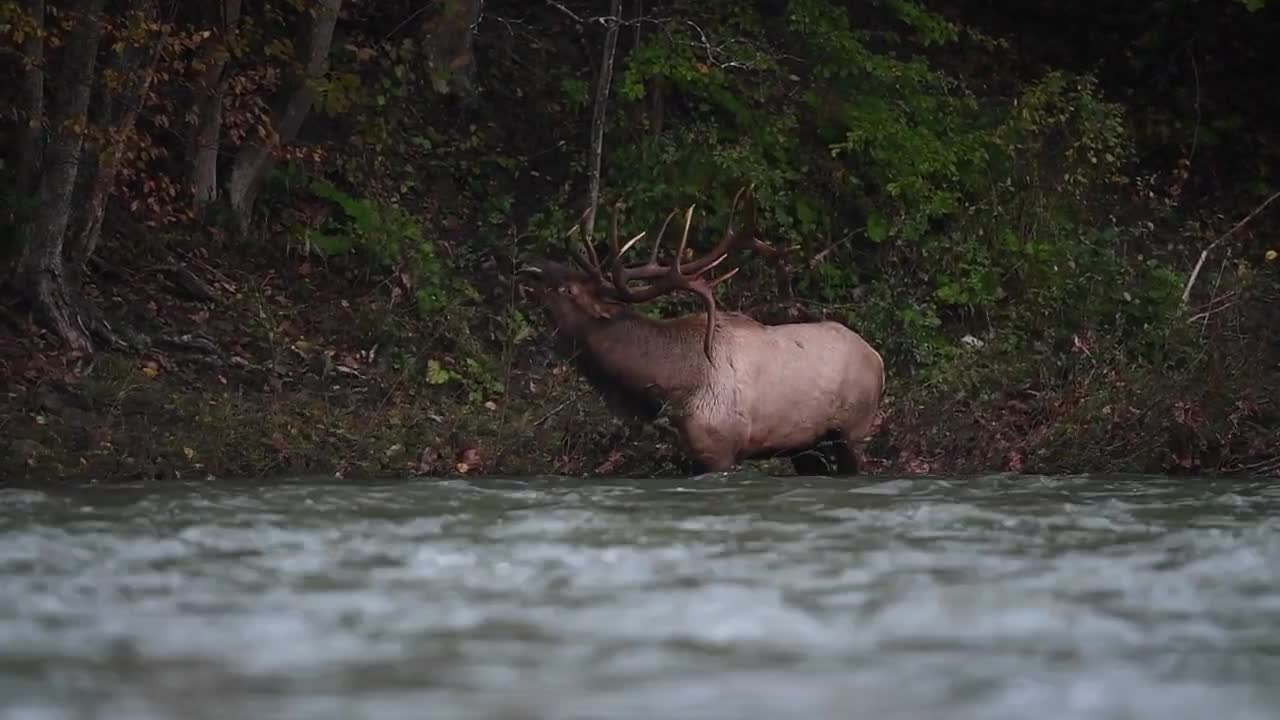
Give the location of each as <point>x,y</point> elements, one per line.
<point>722,278</point>
<point>591,261</point>
<point>778,255</point>
<point>684,241</point>
<point>574,252</point>
<point>587,240</point>
<point>733,209</point>
<point>616,253</point>
<point>650,269</point>
<point>731,239</point>
<point>756,243</point>
<point>630,243</point>
<point>657,244</point>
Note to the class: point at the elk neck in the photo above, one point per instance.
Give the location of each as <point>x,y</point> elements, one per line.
<point>649,361</point>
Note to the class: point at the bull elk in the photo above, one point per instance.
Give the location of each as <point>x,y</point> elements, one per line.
<point>735,389</point>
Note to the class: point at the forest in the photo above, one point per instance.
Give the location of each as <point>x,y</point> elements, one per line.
<point>250,238</point>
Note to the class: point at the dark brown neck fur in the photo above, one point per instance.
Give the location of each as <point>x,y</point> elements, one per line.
<point>640,363</point>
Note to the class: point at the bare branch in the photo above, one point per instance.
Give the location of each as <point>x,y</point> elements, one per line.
<point>566,11</point>
<point>597,122</point>
<point>1195,272</point>
<point>32,132</point>
<point>714,53</point>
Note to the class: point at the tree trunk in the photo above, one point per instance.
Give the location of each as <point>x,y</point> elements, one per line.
<point>206,131</point>
<point>32,132</point>
<point>598,115</point>
<point>40,268</point>
<point>449,40</point>
<point>81,245</point>
<point>28,138</point>
<point>294,102</point>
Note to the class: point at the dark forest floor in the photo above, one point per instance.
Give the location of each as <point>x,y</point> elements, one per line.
<point>262,364</point>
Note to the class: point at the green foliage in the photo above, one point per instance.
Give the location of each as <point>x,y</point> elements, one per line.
<point>942,209</point>
<point>938,209</point>
<point>393,238</point>
<point>387,238</point>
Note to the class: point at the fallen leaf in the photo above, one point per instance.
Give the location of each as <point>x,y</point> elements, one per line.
<point>917,466</point>
<point>467,460</point>
<point>191,454</point>
<point>491,405</point>
<point>611,464</point>
<point>427,460</point>
<point>1013,461</point>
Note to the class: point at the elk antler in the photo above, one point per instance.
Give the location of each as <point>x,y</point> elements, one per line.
<point>591,265</point>
<point>684,276</point>
<point>746,238</point>
<point>679,276</point>
<point>668,279</point>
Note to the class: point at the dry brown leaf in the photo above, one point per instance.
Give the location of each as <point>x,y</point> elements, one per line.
<point>467,460</point>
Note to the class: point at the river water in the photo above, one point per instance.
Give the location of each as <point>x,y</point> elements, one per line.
<point>738,596</point>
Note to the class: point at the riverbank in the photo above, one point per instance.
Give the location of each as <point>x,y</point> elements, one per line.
<point>260,364</point>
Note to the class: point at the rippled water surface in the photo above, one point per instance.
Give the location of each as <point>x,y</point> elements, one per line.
<point>715,597</point>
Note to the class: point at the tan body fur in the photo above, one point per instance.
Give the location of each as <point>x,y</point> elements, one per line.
<point>769,390</point>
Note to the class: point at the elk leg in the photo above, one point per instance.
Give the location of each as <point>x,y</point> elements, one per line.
<point>817,460</point>
<point>852,439</point>
<point>849,444</point>
<point>810,462</point>
<point>846,458</point>
<point>709,462</point>
<point>709,449</point>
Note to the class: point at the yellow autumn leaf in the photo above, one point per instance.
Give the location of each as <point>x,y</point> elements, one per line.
<point>1271,255</point>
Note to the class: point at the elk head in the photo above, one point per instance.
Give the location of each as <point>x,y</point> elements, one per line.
<point>597,291</point>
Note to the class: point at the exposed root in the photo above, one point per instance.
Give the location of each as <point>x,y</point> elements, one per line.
<point>191,342</point>
<point>52,300</point>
